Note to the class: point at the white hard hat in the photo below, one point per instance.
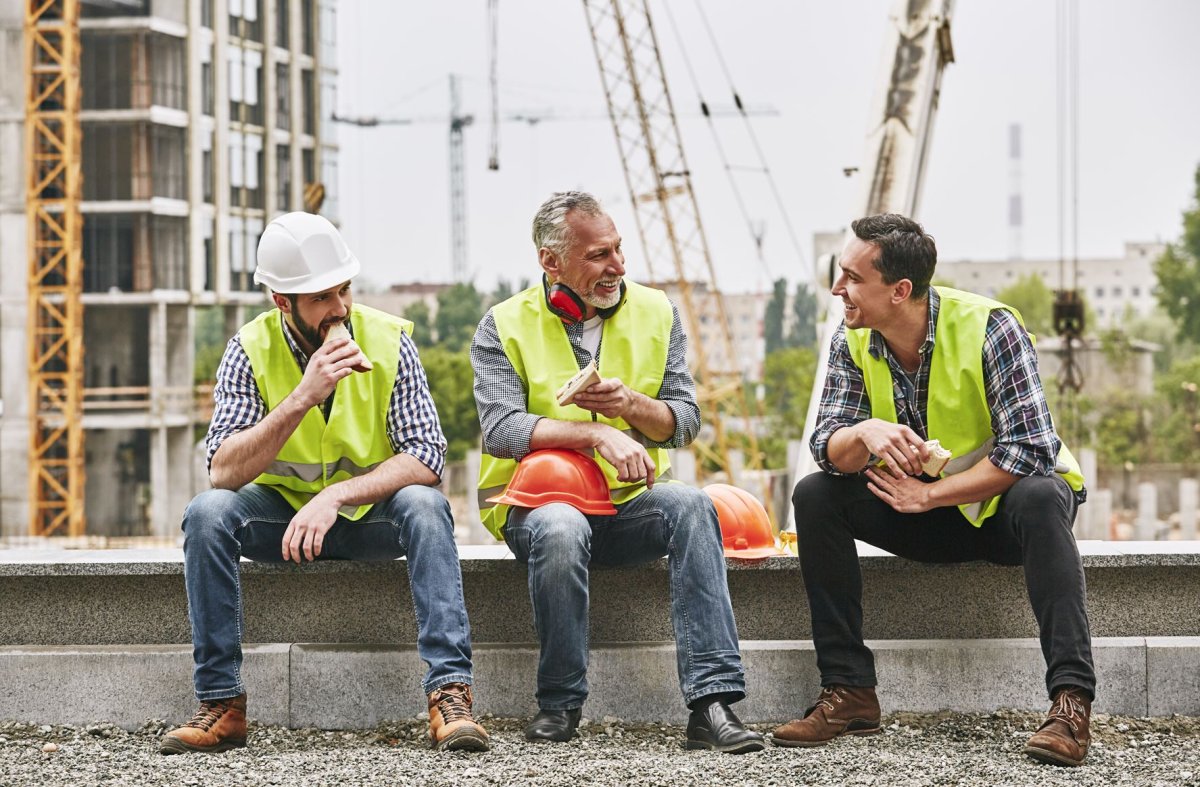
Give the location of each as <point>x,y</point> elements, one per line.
<point>302,252</point>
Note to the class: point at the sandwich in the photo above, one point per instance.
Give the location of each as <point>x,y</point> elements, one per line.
<point>340,331</point>
<point>581,380</point>
<point>938,457</point>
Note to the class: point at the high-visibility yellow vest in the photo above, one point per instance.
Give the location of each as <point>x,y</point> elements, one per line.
<point>634,349</point>
<point>957,410</point>
<point>355,439</point>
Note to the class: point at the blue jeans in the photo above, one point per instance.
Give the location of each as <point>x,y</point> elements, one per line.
<point>558,544</point>
<point>221,526</point>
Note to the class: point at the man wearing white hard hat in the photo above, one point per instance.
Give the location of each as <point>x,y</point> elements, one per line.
<point>324,444</point>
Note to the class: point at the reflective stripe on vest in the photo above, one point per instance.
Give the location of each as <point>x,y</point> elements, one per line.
<point>633,349</point>
<point>355,439</point>
<point>957,410</point>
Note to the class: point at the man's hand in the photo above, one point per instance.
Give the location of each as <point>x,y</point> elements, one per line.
<point>900,448</point>
<point>305,534</point>
<point>330,363</point>
<point>628,456</point>
<point>905,494</point>
<point>610,398</point>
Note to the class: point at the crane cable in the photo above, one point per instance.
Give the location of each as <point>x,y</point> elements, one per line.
<point>737,100</point>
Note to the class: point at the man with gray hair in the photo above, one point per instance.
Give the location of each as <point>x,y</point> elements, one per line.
<point>583,312</point>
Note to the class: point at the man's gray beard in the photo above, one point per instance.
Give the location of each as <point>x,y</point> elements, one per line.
<point>604,303</point>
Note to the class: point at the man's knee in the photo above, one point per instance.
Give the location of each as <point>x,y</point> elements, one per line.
<point>210,510</point>
<point>812,496</point>
<point>685,506</point>
<point>1042,499</point>
<point>558,529</point>
<point>420,506</point>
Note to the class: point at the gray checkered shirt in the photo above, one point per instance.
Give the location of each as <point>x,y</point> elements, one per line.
<point>501,397</point>
<point>412,420</point>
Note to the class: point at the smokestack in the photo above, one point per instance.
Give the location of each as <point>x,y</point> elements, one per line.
<point>1015,212</point>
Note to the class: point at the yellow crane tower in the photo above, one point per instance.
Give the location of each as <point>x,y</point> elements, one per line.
<point>668,220</point>
<point>55,326</point>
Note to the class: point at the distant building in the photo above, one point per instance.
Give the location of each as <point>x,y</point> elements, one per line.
<point>1111,286</point>
<point>398,298</point>
<point>744,312</point>
<point>201,122</point>
<point>1130,370</point>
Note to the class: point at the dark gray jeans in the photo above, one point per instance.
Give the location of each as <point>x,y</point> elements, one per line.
<point>1032,528</point>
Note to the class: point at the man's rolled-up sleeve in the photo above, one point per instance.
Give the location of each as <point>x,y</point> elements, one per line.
<point>844,400</point>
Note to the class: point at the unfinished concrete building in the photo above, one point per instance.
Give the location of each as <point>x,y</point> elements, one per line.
<point>202,120</point>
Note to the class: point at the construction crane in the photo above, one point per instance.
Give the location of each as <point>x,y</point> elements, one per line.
<point>916,53</point>
<point>55,274</point>
<point>668,219</point>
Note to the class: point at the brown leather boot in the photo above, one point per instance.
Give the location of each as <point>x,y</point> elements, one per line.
<point>1064,737</point>
<point>840,710</point>
<point>219,725</point>
<point>451,726</point>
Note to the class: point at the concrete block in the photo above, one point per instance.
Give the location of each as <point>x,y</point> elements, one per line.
<point>126,685</point>
<point>1173,675</point>
<point>985,675</point>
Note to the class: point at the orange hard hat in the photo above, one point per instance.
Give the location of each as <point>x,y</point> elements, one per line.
<point>745,527</point>
<point>558,475</point>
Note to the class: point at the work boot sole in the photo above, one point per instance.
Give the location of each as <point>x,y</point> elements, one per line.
<point>812,744</point>
<point>1051,757</point>
<point>171,745</point>
<point>465,739</point>
<point>744,747</point>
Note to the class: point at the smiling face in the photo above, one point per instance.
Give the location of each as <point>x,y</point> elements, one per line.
<point>311,315</point>
<point>869,301</point>
<point>593,265</point>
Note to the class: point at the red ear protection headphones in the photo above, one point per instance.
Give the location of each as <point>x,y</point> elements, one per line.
<point>564,302</point>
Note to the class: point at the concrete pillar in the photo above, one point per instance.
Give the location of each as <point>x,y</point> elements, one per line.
<point>737,467</point>
<point>160,483</point>
<point>1084,527</point>
<point>1146,526</point>
<point>1189,496</point>
<point>683,466</point>
<point>1100,501</point>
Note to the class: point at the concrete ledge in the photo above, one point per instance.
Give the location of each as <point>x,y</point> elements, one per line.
<point>115,597</point>
<point>348,686</point>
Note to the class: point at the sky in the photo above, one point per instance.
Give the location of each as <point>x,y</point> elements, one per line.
<point>817,66</point>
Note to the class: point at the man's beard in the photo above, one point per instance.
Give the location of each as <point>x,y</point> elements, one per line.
<point>592,299</point>
<point>311,333</point>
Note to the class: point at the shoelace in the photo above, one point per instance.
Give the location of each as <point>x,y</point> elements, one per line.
<point>827,698</point>
<point>1068,709</point>
<point>454,703</point>
<point>208,714</point>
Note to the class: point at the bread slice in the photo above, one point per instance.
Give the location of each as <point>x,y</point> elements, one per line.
<point>938,457</point>
<point>581,380</point>
<point>340,331</point>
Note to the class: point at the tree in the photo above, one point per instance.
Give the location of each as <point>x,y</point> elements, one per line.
<point>418,313</point>
<point>804,312</point>
<point>460,308</point>
<point>773,318</point>
<point>450,382</point>
<point>1034,300</point>
<point>1178,272</point>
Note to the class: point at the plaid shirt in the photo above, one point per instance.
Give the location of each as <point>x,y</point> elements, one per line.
<point>502,401</point>
<point>412,419</point>
<point>1026,443</point>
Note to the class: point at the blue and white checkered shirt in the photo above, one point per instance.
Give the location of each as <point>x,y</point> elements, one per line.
<point>1026,443</point>
<point>412,420</point>
<point>501,398</point>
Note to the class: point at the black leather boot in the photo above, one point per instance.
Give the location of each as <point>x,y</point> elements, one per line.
<point>715,726</point>
<point>553,725</point>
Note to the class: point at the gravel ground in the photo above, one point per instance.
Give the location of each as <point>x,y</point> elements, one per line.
<point>932,749</point>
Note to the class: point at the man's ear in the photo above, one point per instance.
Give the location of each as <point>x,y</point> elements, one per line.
<point>901,290</point>
<point>550,263</point>
<point>282,302</point>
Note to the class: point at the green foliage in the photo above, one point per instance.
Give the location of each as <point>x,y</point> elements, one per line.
<point>1120,432</point>
<point>804,310</point>
<point>422,321</point>
<point>450,382</point>
<point>1177,416</point>
<point>1034,300</point>
<point>1178,272</point>
<point>773,318</point>
<point>459,310</point>
<point>210,340</point>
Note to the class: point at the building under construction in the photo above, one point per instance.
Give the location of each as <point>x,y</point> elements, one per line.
<point>200,122</point>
